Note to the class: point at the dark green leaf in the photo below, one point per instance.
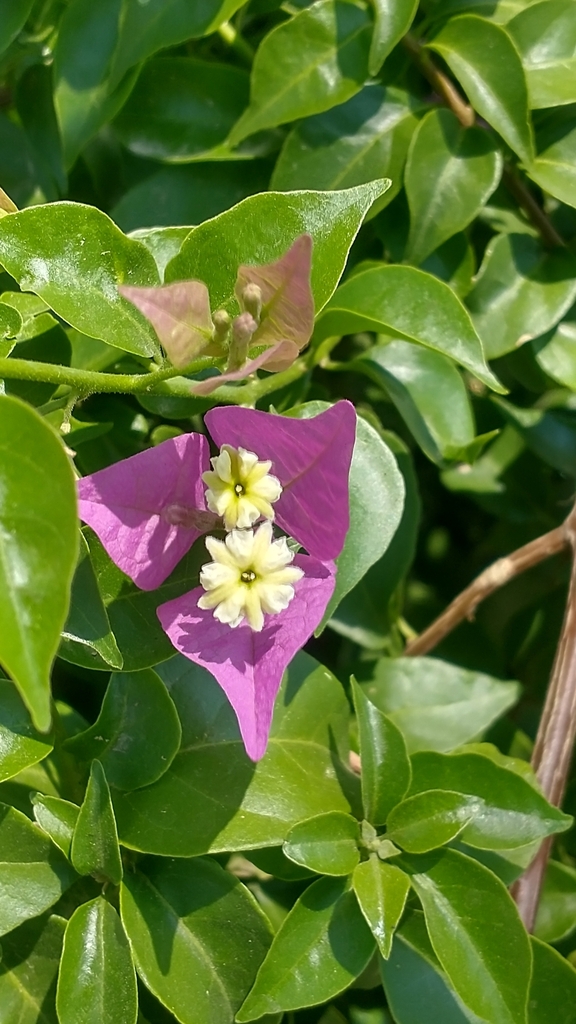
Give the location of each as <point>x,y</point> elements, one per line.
<point>57,818</point>
<point>453,262</point>
<point>552,998</point>
<point>20,744</point>
<point>214,936</point>
<point>554,169</point>
<point>327,844</point>
<point>14,15</point>
<point>35,105</point>
<point>550,435</point>
<point>381,890</point>
<point>545,35</point>
<point>97,981</point>
<point>323,944</point>
<point>556,917</point>
<point>87,630</point>
<point>28,972</point>
<point>95,842</point>
<point>393,19</point>
<point>430,819</point>
<point>135,705</point>
<point>38,552</point>
<point>386,771</point>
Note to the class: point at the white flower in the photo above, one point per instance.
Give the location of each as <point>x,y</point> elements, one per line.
<point>240,488</point>
<point>250,575</point>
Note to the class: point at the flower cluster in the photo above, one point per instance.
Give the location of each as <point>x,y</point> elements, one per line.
<point>257,603</point>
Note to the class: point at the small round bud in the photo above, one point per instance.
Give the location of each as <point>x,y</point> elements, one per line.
<point>252,300</point>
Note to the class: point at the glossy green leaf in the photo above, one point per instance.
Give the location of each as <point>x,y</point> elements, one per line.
<point>392,20</point>
<point>28,971</point>
<point>323,944</point>
<point>33,873</point>
<point>386,771</point>
<point>316,60</point>
<point>20,744</point>
<point>35,105</point>
<point>87,632</point>
<point>213,251</point>
<point>554,169</point>
<point>454,262</point>
<point>381,890</point>
<point>556,917</point>
<point>476,934</point>
<point>215,936</point>
<point>135,705</point>
<point>486,63</point>
<point>556,353</point>
<point>512,814</point>
<point>14,15</point>
<point>57,818</point>
<point>450,173</point>
<point>327,844</point>
<point>436,705</point>
<point>182,109</point>
<point>163,243</point>
<point>545,35</point>
<point>552,998</point>
<point>95,848</point>
<point>74,257</point>
<point>521,291</point>
<point>97,981</point>
<point>411,304</point>
<point>549,434</point>
<point>428,392</point>
<point>10,322</point>
<point>430,819</point>
<point>37,550</point>
<point>360,140</point>
<point>227,797</point>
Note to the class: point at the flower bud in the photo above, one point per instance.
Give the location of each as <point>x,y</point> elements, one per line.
<point>243,328</point>
<point>222,321</point>
<point>252,300</point>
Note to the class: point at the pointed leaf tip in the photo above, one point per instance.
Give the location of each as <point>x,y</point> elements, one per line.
<point>287,300</point>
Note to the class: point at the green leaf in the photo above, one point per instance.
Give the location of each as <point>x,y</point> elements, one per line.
<point>135,705</point>
<point>513,812</point>
<point>95,848</point>
<point>381,890</point>
<point>450,173</point>
<point>321,947</point>
<point>327,844</point>
<point>20,744</point>
<point>556,917</point>
<point>476,934</point>
<point>454,262</point>
<point>33,873</point>
<point>37,550</point>
<point>545,35</point>
<point>486,63</point>
<point>213,251</point>
<point>428,392</point>
<point>360,140</point>
<point>87,629</point>
<point>227,797</point>
<point>409,303</point>
<point>436,705</point>
<point>386,771</point>
<point>35,106</point>
<point>97,981</point>
<point>554,169</point>
<point>163,243</point>
<point>14,16</point>
<point>74,257</point>
<point>430,819</point>
<point>550,435</point>
<point>521,291</point>
<point>10,322</point>
<point>57,818</point>
<point>393,19</point>
<point>28,972</point>
<point>316,60</point>
<point>556,353</point>
<point>215,936</point>
<point>182,109</point>
<point>552,997</point>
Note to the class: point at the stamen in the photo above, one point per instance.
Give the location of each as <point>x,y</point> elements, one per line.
<point>248,576</point>
<point>239,489</point>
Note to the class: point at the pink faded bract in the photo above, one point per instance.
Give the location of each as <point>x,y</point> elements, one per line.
<point>249,666</point>
<point>288,303</point>
<point>180,315</point>
<point>311,458</point>
<point>279,357</point>
<point>149,509</point>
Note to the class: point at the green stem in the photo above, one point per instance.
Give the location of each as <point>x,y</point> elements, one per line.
<point>236,42</point>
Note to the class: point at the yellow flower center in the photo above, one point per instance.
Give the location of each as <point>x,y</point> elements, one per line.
<point>240,488</point>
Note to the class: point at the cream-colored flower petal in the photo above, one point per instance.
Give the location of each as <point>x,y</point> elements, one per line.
<point>223,464</point>
<point>215,574</point>
<point>268,488</point>
<point>275,598</point>
<point>289,574</point>
<point>253,609</point>
<point>240,544</point>
<point>231,610</point>
<point>220,552</point>
<point>246,512</point>
<point>259,471</point>
<point>247,461</point>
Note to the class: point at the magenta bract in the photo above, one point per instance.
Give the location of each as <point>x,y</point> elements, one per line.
<point>249,666</point>
<point>311,458</point>
<point>279,357</point>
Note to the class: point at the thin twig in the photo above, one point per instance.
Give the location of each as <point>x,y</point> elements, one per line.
<point>439,81</point>
<point>494,577</point>
<point>526,202</point>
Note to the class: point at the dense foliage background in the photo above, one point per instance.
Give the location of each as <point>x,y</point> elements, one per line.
<point>162,115</point>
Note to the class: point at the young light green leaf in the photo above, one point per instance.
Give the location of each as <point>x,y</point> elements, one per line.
<point>323,944</point>
<point>57,818</point>
<point>450,173</point>
<point>556,353</point>
<point>38,527</point>
<point>97,980</point>
<point>95,848</point>
<point>486,63</point>
<point>381,890</point>
<point>386,771</point>
<point>476,934</point>
<point>553,988</point>
<point>327,844</point>
<point>545,35</point>
<point>20,744</point>
<point>219,936</point>
<point>214,250</point>
<point>29,968</point>
<point>88,626</point>
<point>407,303</point>
<point>316,60</point>
<point>393,19</point>
<point>136,705</point>
<point>430,819</point>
